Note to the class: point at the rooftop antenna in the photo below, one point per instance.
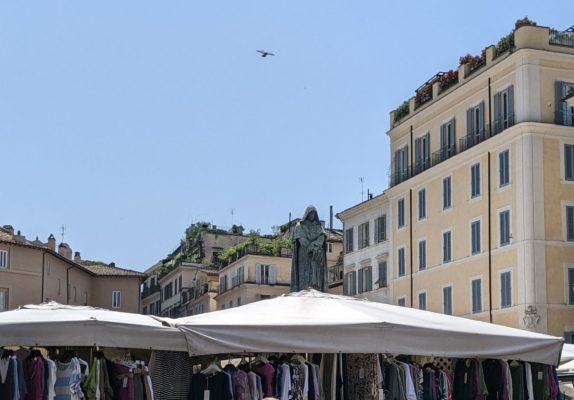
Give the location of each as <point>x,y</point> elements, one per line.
<point>62,232</point>
<point>362,180</point>
<point>232,217</point>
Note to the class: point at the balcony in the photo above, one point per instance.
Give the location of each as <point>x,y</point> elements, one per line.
<point>148,291</point>
<point>565,38</point>
<point>256,250</point>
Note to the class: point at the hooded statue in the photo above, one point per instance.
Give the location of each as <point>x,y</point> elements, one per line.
<point>309,264</point>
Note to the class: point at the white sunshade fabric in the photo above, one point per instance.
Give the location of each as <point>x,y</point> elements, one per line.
<point>54,324</point>
<point>315,322</point>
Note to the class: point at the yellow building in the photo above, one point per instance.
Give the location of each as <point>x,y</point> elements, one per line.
<point>480,209</point>
<point>253,275</point>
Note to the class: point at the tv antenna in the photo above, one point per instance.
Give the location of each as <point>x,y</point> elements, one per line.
<point>62,232</point>
<point>362,180</point>
<point>232,217</point>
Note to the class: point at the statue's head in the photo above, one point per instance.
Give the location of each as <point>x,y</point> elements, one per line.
<point>311,214</point>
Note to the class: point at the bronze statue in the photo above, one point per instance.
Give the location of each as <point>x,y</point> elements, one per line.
<point>309,263</point>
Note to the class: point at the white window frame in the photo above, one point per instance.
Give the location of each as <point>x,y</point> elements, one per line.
<point>404,251</point>
<point>117,299</point>
<point>472,279</point>
<point>501,272</point>
<point>470,250</point>
<point>500,211</point>
<point>443,261</point>
<point>478,196</point>
<point>424,294</point>
<point>423,239</point>
<point>402,299</point>
<point>4,260</point>
<point>506,185</point>
<point>449,208</point>
<point>451,286</point>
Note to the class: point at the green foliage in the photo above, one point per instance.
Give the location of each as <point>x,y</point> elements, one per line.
<point>401,111</point>
<point>523,22</point>
<point>506,43</point>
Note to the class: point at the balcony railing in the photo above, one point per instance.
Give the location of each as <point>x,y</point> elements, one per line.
<point>148,291</point>
<point>561,38</point>
<point>475,137</point>
<point>443,154</point>
<point>255,250</point>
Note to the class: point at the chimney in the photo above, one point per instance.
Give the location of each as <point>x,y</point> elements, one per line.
<point>52,242</point>
<point>65,250</point>
<point>9,229</point>
<point>19,237</point>
<point>331,217</point>
<point>77,258</point>
<point>112,264</point>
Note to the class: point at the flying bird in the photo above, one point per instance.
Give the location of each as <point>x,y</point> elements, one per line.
<point>265,53</point>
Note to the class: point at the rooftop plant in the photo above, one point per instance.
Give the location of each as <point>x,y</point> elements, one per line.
<point>401,111</point>
<point>448,79</point>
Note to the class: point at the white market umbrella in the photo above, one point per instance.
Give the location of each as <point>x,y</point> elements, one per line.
<point>54,324</point>
<point>567,353</point>
<point>315,322</point>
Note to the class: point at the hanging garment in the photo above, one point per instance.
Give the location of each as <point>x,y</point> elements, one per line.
<point>518,382</point>
<point>298,384</point>
<point>465,380</point>
<point>328,374</point>
<point>493,377</point>
<point>7,383</point>
<point>174,385</point>
<point>283,382</point>
<point>34,375</point>
<point>362,375</point>
<point>540,381</point>
<point>239,381</point>
<point>50,366</point>
<point>267,373</point>
<point>68,376</point>
<point>216,386</point>
<point>122,381</point>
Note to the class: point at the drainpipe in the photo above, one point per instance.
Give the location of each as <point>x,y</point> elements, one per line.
<point>412,154</point>
<point>489,110</point>
<point>489,241</point>
<point>411,241</point>
<point>43,273</point>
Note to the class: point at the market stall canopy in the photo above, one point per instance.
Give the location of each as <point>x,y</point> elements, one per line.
<point>54,324</point>
<point>567,353</point>
<point>315,322</point>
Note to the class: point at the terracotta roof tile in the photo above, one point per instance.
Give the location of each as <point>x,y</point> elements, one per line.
<point>106,270</point>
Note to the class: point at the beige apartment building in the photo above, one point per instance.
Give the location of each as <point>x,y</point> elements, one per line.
<point>253,275</point>
<point>480,209</point>
<point>32,272</point>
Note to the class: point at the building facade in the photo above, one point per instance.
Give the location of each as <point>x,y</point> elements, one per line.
<point>480,208</point>
<point>32,272</point>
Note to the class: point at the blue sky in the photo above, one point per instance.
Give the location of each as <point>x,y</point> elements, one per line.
<point>127,121</point>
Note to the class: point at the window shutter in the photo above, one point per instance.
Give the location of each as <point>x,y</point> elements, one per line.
<point>469,126</point>
<point>481,120</point>
<point>346,284</point>
<point>559,104</point>
<point>571,285</point>
<point>258,274</point>
<point>568,165</point>
<point>510,105</point>
<point>272,274</point>
<point>353,290</point>
<point>443,141</point>
<point>370,279</point>
<point>418,155</point>
<point>497,113</point>
<point>360,288</point>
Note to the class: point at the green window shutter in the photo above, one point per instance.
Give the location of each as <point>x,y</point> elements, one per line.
<point>370,278</point>
<point>558,103</point>
<point>497,113</point>
<point>258,274</point>
<point>511,117</point>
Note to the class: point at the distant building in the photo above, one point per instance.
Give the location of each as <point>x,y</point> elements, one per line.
<point>33,272</point>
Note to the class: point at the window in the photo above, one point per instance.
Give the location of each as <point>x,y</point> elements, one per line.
<point>223,284</point>
<point>475,237</point>
<point>505,290</point>
<point>475,125</point>
<point>570,223</point>
<point>350,283</point>
<point>168,291</point>
<point>476,295</point>
<point>503,168</point>
<point>446,193</point>
<point>504,220</point>
<point>422,255</point>
<point>363,235</point>
<point>144,311</point>
<point>401,259</point>
<point>503,109</point>
<point>401,165</point>
<point>3,299</point>
<point>238,301</point>
<point>365,279</point>
<point>349,240</point>
<point>180,282</point>
<point>329,247</point>
<point>564,112</point>
<point>265,274</point>
<point>447,140</point>
<point>422,153</point>
<point>3,259</point>
<point>571,286</point>
<point>116,299</point>
<point>475,180</point>
<point>446,247</point>
<point>230,303</point>
<point>382,274</point>
<point>381,229</point>
<point>401,213</point>
<point>447,300</point>
<point>401,301</point>
<point>422,204</point>
<point>422,301</point>
<point>569,162</point>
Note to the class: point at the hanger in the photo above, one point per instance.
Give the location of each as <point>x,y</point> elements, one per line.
<point>298,358</point>
<point>7,353</point>
<point>212,368</point>
<point>261,359</point>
